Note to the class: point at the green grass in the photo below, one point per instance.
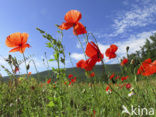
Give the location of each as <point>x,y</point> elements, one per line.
<point>27,98</point>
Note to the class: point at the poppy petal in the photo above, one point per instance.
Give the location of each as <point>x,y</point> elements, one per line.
<point>90,50</point>
<point>15,49</point>
<point>13,40</point>
<point>72,16</point>
<point>79,29</point>
<point>107,52</point>
<point>22,49</point>
<point>24,37</point>
<point>113,48</point>
<point>80,63</point>
<point>65,26</point>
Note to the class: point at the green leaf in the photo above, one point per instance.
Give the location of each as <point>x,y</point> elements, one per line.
<point>56,55</point>
<point>49,45</point>
<point>62,60</point>
<point>28,66</point>
<point>52,60</point>
<point>41,31</point>
<point>51,104</point>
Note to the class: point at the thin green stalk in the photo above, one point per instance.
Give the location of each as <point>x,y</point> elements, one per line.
<point>47,64</point>
<point>106,75</point>
<point>25,64</point>
<point>34,65</point>
<point>82,47</point>
<point>71,60</point>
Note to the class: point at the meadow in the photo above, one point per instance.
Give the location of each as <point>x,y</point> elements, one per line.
<point>89,90</point>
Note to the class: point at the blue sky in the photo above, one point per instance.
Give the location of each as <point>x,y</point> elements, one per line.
<point>120,22</point>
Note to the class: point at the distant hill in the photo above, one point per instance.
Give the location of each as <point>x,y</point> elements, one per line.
<point>79,73</point>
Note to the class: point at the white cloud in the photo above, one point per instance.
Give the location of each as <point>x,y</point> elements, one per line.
<point>77,56</point>
<point>138,16</point>
<point>134,42</point>
<point>38,62</point>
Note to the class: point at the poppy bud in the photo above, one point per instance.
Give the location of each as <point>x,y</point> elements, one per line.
<point>127,48</point>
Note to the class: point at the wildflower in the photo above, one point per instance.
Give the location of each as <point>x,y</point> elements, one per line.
<point>80,63</point>
<point>94,112</point>
<point>147,67</point>
<point>128,86</point>
<point>108,90</point>
<point>144,65</point>
<point>73,80</point>
<point>117,77</point>
<point>32,87</point>
<point>17,41</point>
<point>16,69</point>
<point>111,76</point>
<point>70,83</point>
<point>124,61</point>
<point>122,85</point>
<point>93,51</point>
<point>124,78</point>
<point>49,81</point>
<point>132,92</point>
<point>110,52</point>
<point>65,82</point>
<point>92,74</point>
<point>93,115</point>
<point>70,75</point>
<point>72,18</point>
<point>87,65</point>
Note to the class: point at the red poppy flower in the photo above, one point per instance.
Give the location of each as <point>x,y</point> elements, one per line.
<point>48,81</point>
<point>122,85</point>
<point>117,77</point>
<point>144,65</point>
<point>92,74</point>
<point>93,115</point>
<point>80,63</point>
<point>72,18</point>
<point>110,52</point>
<point>93,51</point>
<point>70,83</point>
<point>87,65</point>
<point>124,61</point>
<point>107,88</point>
<point>111,76</point>
<point>70,75</point>
<point>73,80</point>
<point>147,68</point>
<point>128,86</point>
<point>151,69</point>
<point>65,82</point>
<point>17,41</point>
<point>29,73</point>
<point>16,69</point>
<point>124,78</point>
<point>94,112</point>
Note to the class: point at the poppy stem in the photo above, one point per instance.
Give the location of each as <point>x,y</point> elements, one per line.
<point>82,47</point>
<point>105,75</point>
<point>125,99</point>
<point>25,64</point>
<point>71,60</point>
